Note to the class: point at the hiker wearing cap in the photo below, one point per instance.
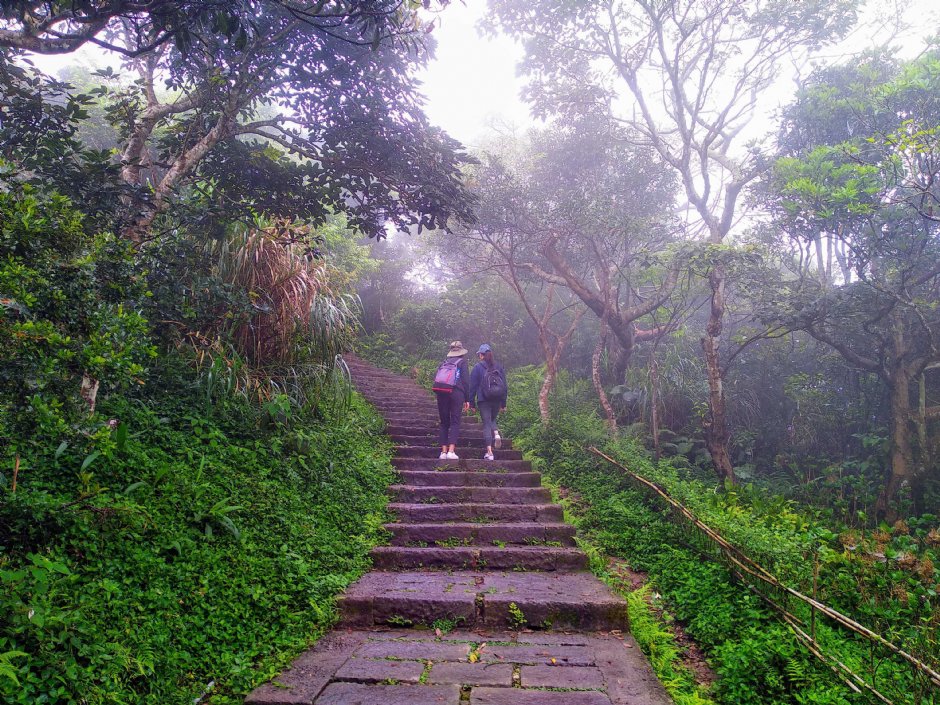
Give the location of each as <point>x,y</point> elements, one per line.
<point>452,389</point>
<point>488,393</point>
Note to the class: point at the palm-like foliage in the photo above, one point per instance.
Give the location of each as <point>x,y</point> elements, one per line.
<point>290,341</point>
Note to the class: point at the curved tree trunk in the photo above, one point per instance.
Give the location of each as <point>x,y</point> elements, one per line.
<point>715,424</point>
<point>654,406</point>
<point>547,384</point>
<point>596,378</point>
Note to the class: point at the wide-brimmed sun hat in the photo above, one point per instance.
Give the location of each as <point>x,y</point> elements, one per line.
<point>456,349</point>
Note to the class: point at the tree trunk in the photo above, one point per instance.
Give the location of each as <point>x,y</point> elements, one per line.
<point>715,425</point>
<point>901,469</point>
<point>89,392</point>
<point>547,384</point>
<point>654,406</point>
<point>596,378</point>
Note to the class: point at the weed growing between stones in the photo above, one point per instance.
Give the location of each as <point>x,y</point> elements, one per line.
<point>517,619</point>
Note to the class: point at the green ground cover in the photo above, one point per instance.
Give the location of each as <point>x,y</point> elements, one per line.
<point>756,657</point>
<point>190,553</point>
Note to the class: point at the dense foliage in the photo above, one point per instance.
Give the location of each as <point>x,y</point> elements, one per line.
<point>192,548</point>
<point>886,579</point>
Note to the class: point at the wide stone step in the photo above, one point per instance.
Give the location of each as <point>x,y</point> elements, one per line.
<point>543,558</point>
<point>476,534</point>
<point>430,422</point>
<point>469,461</point>
<point>474,432</point>
<point>492,599</point>
<point>398,406</point>
<point>446,495</point>
<point>392,402</point>
<point>428,439</point>
<point>414,417</point>
<point>396,395</point>
<point>456,478</point>
<point>432,451</point>
<point>476,513</point>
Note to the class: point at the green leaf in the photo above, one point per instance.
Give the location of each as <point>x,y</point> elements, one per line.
<point>90,459</point>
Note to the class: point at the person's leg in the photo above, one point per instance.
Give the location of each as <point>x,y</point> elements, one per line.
<point>456,410</point>
<point>486,415</point>
<point>443,412</point>
<point>497,441</point>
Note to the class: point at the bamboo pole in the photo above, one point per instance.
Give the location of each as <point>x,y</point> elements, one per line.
<point>737,557</point>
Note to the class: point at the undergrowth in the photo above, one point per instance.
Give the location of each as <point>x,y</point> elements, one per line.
<point>757,659</point>
<point>190,553</point>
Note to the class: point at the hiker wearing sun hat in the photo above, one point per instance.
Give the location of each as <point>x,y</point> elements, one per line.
<point>451,388</point>
<point>488,394</point>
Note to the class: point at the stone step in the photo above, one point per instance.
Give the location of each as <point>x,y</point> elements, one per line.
<point>393,402</point>
<point>429,440</point>
<point>469,461</point>
<point>476,513</point>
<point>400,407</point>
<point>432,451</point>
<point>378,383</point>
<point>470,495</point>
<point>459,478</point>
<point>399,416</point>
<point>475,431</point>
<point>491,599</point>
<point>429,422</point>
<point>476,534</point>
<point>382,388</point>
<point>542,558</point>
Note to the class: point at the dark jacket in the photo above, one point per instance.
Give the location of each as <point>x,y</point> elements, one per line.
<point>463,384</point>
<point>476,382</point>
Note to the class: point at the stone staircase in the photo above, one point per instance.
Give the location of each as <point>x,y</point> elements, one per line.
<point>476,542</point>
<point>478,546</point>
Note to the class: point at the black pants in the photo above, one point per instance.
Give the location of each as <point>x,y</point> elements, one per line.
<point>489,410</point>
<point>450,409</point>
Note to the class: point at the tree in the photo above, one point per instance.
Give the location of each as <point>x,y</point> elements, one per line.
<point>867,183</point>
<point>687,76</point>
<point>46,27</point>
<point>575,206</point>
<point>331,84</point>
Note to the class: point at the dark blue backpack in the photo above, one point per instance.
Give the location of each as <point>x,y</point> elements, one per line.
<point>493,386</point>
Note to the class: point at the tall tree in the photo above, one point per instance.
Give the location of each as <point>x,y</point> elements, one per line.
<point>586,211</point>
<point>687,75</point>
<point>331,83</point>
<point>866,182</point>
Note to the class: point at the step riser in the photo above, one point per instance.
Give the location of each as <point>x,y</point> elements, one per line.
<point>471,462</point>
<point>432,451</point>
<point>431,422</point>
<point>470,495</point>
<point>476,513</point>
<point>491,612</point>
<point>429,440</point>
<point>466,434</point>
<point>467,558</point>
<point>469,479</point>
<point>406,401</point>
<point>480,534</point>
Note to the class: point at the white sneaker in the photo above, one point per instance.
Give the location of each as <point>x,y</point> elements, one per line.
<point>442,456</point>
<point>497,441</point>
<point>487,456</point>
<point>452,456</point>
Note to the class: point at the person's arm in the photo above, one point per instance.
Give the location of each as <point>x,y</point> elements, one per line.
<point>474,386</point>
<point>464,375</point>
